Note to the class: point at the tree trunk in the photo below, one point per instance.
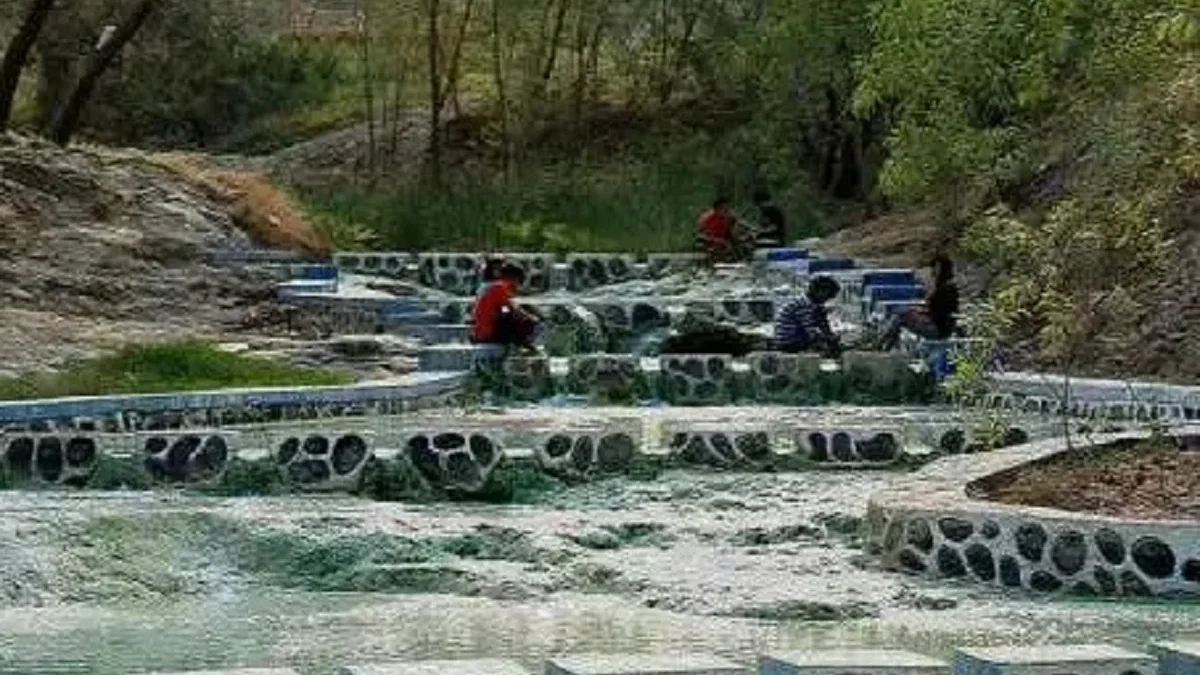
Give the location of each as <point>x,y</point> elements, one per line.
<point>364,38</point>
<point>435,93</point>
<point>552,47</point>
<point>453,68</point>
<point>18,53</point>
<point>67,118</point>
<point>501,92</point>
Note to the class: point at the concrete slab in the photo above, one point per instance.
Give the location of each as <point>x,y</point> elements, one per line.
<point>236,671</point>
<point>851,662</point>
<point>473,667</point>
<point>1177,658</point>
<point>1053,660</point>
<point>643,664</point>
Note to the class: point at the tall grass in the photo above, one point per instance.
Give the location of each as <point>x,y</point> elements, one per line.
<point>645,201</point>
<point>180,366</point>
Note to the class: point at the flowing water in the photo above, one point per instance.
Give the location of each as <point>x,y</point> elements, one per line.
<point>734,564</point>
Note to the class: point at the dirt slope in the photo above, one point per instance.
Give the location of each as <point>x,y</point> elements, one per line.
<point>99,248</point>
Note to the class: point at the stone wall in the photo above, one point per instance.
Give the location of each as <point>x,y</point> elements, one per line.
<point>933,527</point>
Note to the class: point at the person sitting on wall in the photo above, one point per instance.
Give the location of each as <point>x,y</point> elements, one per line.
<point>803,324</point>
<point>496,317</point>
<point>937,319</point>
<point>715,235</point>
<point>771,232</point>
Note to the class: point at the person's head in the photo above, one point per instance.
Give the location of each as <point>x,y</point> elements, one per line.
<point>942,268</point>
<point>761,197</point>
<point>721,204</point>
<point>491,268</point>
<point>512,274</point>
<point>823,289</point>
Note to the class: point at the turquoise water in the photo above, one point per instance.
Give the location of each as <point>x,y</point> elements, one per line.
<point>116,584</point>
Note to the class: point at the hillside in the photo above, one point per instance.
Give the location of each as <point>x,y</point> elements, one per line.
<point>101,248</point>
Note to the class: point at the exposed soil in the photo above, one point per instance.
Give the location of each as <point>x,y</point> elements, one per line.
<point>102,247</point>
<point>1129,482</point>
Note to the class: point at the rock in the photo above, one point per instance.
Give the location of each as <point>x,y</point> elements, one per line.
<point>980,561</point>
<point>1111,546</point>
<point>1153,557</point>
<point>1031,541</point>
<point>956,529</point>
<point>950,563</point>
<point>1069,552</point>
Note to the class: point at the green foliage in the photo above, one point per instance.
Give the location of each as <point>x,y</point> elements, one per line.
<point>647,199</point>
<point>181,366</point>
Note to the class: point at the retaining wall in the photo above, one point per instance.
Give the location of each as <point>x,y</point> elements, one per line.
<point>933,526</point>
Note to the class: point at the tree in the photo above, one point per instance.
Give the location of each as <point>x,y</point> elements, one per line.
<point>66,118</point>
<point>17,54</point>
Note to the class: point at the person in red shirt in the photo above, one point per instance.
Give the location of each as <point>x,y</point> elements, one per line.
<point>715,232</point>
<point>497,319</point>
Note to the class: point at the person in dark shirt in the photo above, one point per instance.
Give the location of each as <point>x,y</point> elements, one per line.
<point>937,319</point>
<point>803,324</point>
<point>771,230</point>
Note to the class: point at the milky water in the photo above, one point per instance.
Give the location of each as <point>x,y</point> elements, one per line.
<point>732,564</point>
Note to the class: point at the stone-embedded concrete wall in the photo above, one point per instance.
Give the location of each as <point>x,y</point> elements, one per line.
<point>455,459</point>
<point>933,527</point>
<point>323,461</point>
<point>150,412</point>
<point>1096,398</point>
<point>188,457</point>
<point>52,459</point>
<point>588,452</point>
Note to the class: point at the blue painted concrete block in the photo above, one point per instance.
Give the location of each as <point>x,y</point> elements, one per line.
<point>785,254</point>
<point>319,272</point>
<point>890,278</point>
<point>884,293</point>
<point>830,265</point>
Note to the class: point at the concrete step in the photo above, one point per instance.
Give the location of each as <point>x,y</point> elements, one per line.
<point>851,662</point>
<point>639,664</point>
<point>1080,659</point>
<point>466,667</point>
<point>1177,658</point>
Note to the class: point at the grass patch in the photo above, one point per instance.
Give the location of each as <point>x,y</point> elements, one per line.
<point>153,369</point>
<point>646,199</point>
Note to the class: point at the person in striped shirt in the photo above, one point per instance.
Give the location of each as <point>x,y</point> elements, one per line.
<point>803,324</point>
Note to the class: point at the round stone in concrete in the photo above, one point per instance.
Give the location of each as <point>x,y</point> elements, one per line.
<point>482,449</point>
<point>316,445</point>
<point>956,529</point>
<point>80,452</point>
<point>558,446</point>
<point>949,563</point>
<point>1069,552</point>
<point>980,561</point>
<point>919,535</point>
<point>1105,580</point>
<point>49,459</point>
<point>1110,545</point>
<point>615,451</point>
<point>349,452</point>
<point>1031,541</point>
<point>1153,557</point>
<point>1044,582</point>
<point>1010,572</point>
<point>1132,585</point>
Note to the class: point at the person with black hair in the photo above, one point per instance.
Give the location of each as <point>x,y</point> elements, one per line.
<point>772,232</point>
<point>937,319</point>
<point>496,317</point>
<point>803,324</point>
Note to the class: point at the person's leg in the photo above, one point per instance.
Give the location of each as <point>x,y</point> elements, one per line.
<point>507,331</point>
